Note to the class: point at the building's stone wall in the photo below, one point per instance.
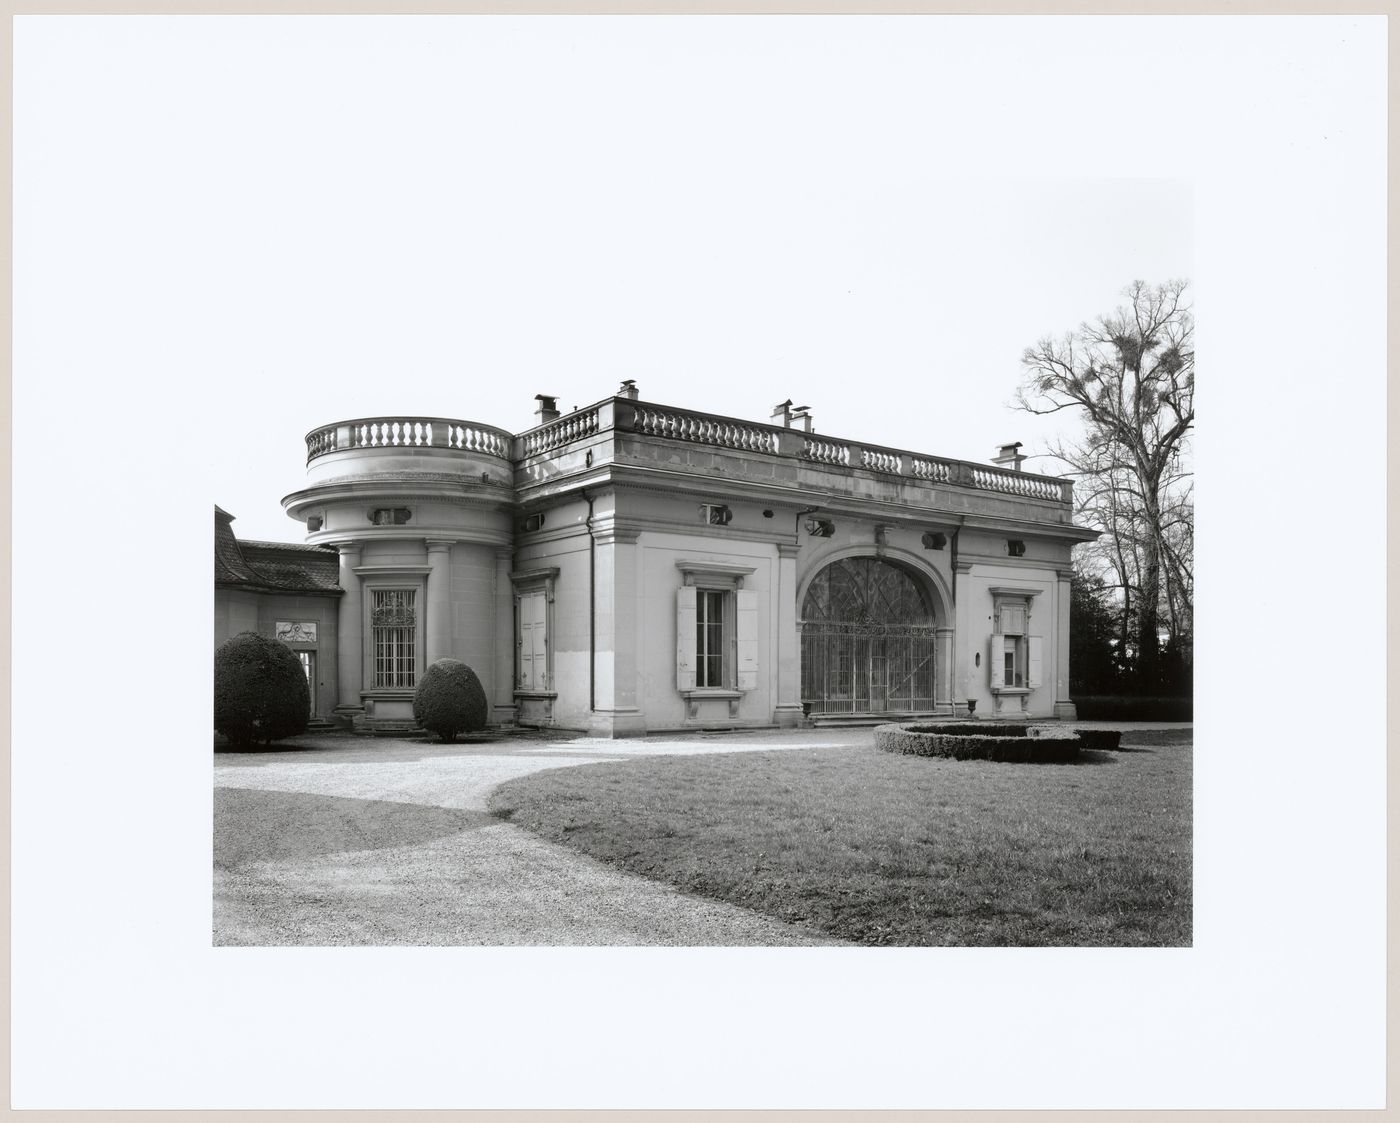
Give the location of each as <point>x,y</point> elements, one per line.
<point>611,497</point>
<point>237,611</point>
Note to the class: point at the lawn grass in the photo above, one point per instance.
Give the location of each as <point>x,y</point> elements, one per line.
<point>884,849</point>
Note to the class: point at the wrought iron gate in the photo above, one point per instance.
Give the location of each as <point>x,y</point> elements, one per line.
<point>868,640</point>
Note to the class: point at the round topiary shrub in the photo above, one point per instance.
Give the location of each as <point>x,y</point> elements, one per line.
<point>449,700</point>
<point>260,690</point>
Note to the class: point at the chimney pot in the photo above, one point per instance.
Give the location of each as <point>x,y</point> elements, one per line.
<point>548,408</point>
<point>1008,455</point>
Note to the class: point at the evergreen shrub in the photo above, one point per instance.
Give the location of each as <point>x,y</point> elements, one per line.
<point>1114,707</point>
<point>260,690</point>
<point>449,700</point>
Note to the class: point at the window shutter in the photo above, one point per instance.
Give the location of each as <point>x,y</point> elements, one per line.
<point>746,634</point>
<point>541,662</point>
<point>1033,661</point>
<point>527,643</point>
<point>685,637</point>
<point>995,660</point>
<point>527,662</point>
<point>533,663</point>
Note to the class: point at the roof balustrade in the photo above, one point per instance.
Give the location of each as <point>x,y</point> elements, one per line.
<point>669,423</point>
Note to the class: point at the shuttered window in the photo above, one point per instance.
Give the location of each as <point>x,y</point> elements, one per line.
<point>534,662</point>
<point>1014,658</point>
<point>716,639</point>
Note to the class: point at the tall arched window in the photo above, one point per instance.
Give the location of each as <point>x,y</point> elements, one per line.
<point>867,640</point>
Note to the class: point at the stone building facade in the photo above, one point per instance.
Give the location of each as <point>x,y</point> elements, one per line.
<point>632,567</point>
<point>283,591</point>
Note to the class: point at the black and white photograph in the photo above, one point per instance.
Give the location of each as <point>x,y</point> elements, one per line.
<point>704,560</point>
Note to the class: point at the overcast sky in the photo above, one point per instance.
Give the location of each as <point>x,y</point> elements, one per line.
<point>303,221</point>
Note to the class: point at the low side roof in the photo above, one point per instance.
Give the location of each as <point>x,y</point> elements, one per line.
<point>272,567</point>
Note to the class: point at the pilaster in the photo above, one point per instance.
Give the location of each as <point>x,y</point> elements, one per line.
<point>349,623</point>
<point>943,670</point>
<point>1064,705</point>
<point>503,692</point>
<point>788,710</point>
<point>437,626</point>
<point>616,712</point>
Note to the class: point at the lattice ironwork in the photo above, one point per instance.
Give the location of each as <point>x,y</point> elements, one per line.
<point>394,623</point>
<point>868,640</point>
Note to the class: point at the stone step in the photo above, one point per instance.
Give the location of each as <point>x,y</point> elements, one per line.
<point>385,727</point>
<point>858,720</point>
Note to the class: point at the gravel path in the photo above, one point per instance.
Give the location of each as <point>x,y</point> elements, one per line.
<point>343,841</point>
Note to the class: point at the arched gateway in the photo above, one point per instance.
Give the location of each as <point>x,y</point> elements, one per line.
<point>868,640</point>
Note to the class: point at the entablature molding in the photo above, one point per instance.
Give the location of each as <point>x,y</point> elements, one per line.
<point>1013,591</point>
<point>709,572</point>
<point>1027,528</point>
<point>616,535</point>
<point>541,574</point>
<point>1007,561</point>
<point>357,538</point>
<point>392,570</point>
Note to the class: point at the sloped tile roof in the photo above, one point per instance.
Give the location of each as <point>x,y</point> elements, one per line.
<point>274,567</point>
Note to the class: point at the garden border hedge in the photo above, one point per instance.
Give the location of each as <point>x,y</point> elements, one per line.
<point>1004,744</point>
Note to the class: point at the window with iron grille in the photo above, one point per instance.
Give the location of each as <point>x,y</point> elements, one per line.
<point>868,640</point>
<point>395,628</point>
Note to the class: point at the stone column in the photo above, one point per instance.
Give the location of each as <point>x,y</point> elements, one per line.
<point>616,712</point>
<point>788,654</point>
<point>1064,706</point>
<point>348,630</point>
<point>943,671</point>
<point>503,691</point>
<point>437,624</point>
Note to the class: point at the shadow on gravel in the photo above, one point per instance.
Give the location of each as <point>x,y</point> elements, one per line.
<point>259,826</point>
<point>349,748</point>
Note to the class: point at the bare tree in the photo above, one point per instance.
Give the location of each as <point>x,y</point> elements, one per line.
<point>1132,374</point>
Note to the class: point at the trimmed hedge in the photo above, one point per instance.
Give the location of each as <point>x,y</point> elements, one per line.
<point>260,690</point>
<point>1033,745</point>
<point>1113,707</point>
<point>449,700</point>
<point>1105,740</point>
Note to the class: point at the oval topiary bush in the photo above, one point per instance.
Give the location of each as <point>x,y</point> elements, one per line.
<point>449,700</point>
<point>260,690</point>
